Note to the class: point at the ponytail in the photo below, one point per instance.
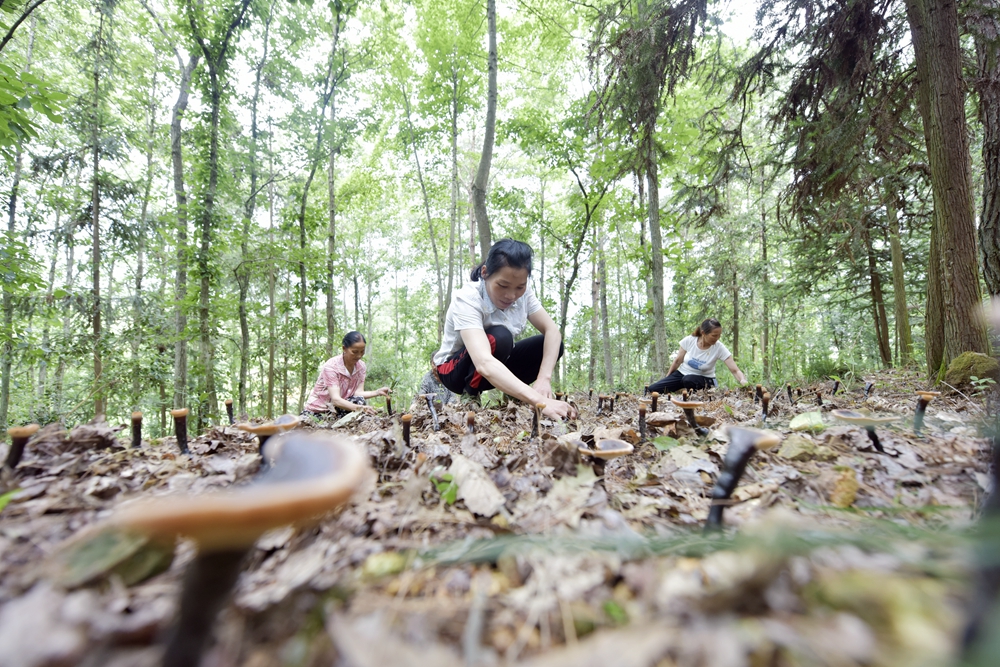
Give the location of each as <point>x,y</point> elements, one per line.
<point>707,327</point>
<point>505,252</point>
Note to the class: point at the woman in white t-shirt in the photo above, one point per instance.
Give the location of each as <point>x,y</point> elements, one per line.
<point>478,350</point>
<point>694,367</point>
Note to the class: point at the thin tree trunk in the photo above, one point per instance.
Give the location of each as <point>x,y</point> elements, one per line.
<point>453,226</point>
<point>137,310</point>
<point>609,377</point>
<point>271,314</point>
<point>938,56</point>
<point>331,244</point>
<point>95,220</point>
<point>878,304</point>
<point>982,18</point>
<point>656,248</point>
<point>766,325</point>
<point>483,172</point>
<point>595,304</point>
<point>902,313</point>
<point>736,316</point>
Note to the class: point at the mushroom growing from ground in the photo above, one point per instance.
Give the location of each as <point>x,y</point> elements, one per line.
<point>229,411</point>
<point>757,394</point>
<point>136,429</point>
<point>181,428</point>
<point>642,418</point>
<point>19,436</point>
<point>836,387</point>
<point>689,407</point>
<point>868,389</point>
<point>788,388</point>
<point>430,406</point>
<point>765,401</point>
<point>869,422</point>
<point>819,397</point>
<point>654,396</point>
<point>407,419</point>
<point>311,474</point>
<point>535,419</point>
<point>604,451</point>
<point>925,397</point>
<point>743,442</point>
<point>388,405</point>
<point>265,431</point>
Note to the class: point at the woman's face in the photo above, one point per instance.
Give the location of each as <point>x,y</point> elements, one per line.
<point>712,337</point>
<point>506,286</point>
<point>354,352</point>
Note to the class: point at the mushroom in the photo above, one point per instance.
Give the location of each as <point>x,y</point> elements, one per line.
<point>868,389</point>
<point>535,418</point>
<point>19,436</point>
<point>655,396</point>
<point>918,416</point>
<point>181,428</point>
<point>407,419</point>
<point>600,403</point>
<point>765,401</point>
<point>559,395</point>
<point>265,431</point>
<point>604,451</point>
<point>788,388</point>
<point>611,404</point>
<point>590,394</point>
<point>470,422</point>
<point>229,411</point>
<point>758,393</point>
<point>136,429</point>
<point>869,422</point>
<point>645,389</point>
<point>430,406</point>
<point>743,442</point>
<point>388,405</point>
<point>819,397</point>
<point>836,386</point>
<point>311,474</point>
<point>689,407</point>
<point>642,418</point>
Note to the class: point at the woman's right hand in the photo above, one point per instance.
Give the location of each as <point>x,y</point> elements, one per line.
<point>559,410</point>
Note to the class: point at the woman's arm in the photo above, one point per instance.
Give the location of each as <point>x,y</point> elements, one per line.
<point>339,401</point>
<point>678,360</point>
<point>734,369</point>
<point>478,346</point>
<point>381,391</point>
<point>550,351</point>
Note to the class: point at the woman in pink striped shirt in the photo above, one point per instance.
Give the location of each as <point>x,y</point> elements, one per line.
<point>341,383</point>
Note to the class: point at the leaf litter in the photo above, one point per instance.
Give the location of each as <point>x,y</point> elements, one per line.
<point>497,548</point>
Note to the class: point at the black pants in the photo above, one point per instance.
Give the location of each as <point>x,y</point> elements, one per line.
<point>677,381</point>
<point>523,358</point>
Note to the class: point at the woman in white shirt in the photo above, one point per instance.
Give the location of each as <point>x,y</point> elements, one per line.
<point>694,367</point>
<point>478,351</point>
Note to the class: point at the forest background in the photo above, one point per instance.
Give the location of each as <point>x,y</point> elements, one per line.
<point>203,197</point>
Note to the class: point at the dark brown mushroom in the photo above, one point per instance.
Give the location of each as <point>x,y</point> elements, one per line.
<point>136,429</point>
<point>470,422</point>
<point>765,402</point>
<point>867,421</point>
<point>642,419</point>
<point>654,396</point>
<point>19,436</point>
<point>836,387</point>
<point>311,474</point>
<point>925,397</point>
<point>430,406</point>
<point>388,405</point>
<point>605,450</point>
<point>758,392</point>
<point>266,430</point>
<point>788,388</point>
<point>689,407</point>
<point>868,389</point>
<point>229,411</point>
<point>743,442</point>
<point>536,416</point>
<point>180,428</point>
<point>407,420</point>
<point>819,398</point>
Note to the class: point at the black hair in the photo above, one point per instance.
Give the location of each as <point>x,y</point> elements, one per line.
<point>352,338</point>
<point>505,252</point>
<point>707,327</point>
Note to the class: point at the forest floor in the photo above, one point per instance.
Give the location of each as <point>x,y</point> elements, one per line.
<point>496,548</point>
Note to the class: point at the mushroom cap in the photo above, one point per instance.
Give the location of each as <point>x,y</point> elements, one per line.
<point>927,395</point>
<point>432,395</point>
<point>608,449</point>
<point>136,416</point>
<point>407,417</point>
<point>229,401</point>
<point>686,404</point>
<point>761,439</point>
<point>270,428</point>
<point>179,412</point>
<point>860,419</point>
<point>25,431</point>
<point>288,422</point>
<point>540,406</point>
<point>311,474</point>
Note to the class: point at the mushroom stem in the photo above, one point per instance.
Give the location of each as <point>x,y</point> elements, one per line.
<point>788,388</point>
<point>136,430</point>
<point>742,445</point>
<point>642,421</point>
<point>434,414</point>
<point>207,584</point>
<point>868,389</point>
<point>470,422</point>
<point>758,393</point>
<point>765,401</point>
<point>798,392</point>
<point>181,428</point>
<point>693,422</point>
<point>229,411</point>
<point>559,395</point>
<point>535,418</point>
<point>645,389</point>
<point>836,386</point>
<point>388,405</point>
<point>19,437</point>
<point>652,406</point>
<point>819,398</point>
<point>611,405</point>
<point>407,418</point>
<point>918,415</point>
<point>590,395</point>
<point>600,403</point>
<point>874,438</point>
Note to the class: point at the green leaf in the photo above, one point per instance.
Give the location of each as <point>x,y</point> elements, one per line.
<point>665,442</point>
<point>807,421</point>
<point>5,498</point>
<point>446,486</point>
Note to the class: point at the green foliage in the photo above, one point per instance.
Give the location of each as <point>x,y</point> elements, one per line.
<point>22,97</point>
<point>446,486</point>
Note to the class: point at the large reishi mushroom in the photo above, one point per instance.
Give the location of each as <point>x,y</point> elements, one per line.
<point>268,429</point>
<point>923,400</point>
<point>19,436</point>
<point>743,442</point>
<point>867,421</point>
<point>605,450</point>
<point>689,407</point>
<point>311,474</point>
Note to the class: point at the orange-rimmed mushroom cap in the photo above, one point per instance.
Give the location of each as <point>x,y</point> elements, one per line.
<point>686,405</point>
<point>279,425</point>
<point>762,440</point>
<point>25,431</point>
<point>312,475</point>
<point>860,419</point>
<point>928,395</point>
<point>180,412</point>
<point>607,449</point>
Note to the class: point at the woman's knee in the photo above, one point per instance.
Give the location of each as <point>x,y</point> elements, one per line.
<point>501,341</point>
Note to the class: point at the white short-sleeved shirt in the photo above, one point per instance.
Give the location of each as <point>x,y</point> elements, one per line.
<point>701,362</point>
<point>471,308</point>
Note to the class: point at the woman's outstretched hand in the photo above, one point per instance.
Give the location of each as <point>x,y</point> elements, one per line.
<point>382,391</point>
<point>559,410</point>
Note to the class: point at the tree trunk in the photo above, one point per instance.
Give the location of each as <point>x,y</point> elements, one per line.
<point>982,18</point>
<point>878,304</point>
<point>483,172</point>
<point>938,56</point>
<point>766,294</point>
<point>609,376</point>
<point>271,279</point>
<point>95,221</point>
<point>138,324</point>
<point>656,249</point>
<point>595,304</point>
<point>736,316</point>
<point>453,226</point>
<point>902,313</point>
<point>331,243</point>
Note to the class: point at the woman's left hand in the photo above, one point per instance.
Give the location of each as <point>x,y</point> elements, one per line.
<point>382,391</point>
<point>543,387</point>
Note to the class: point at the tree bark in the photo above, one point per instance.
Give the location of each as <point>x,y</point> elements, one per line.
<point>609,371</point>
<point>138,323</point>
<point>656,250</point>
<point>982,18</point>
<point>483,172</point>
<point>878,304</point>
<point>736,316</point>
<point>766,294</point>
<point>902,313</point>
<point>938,56</point>
<point>95,221</point>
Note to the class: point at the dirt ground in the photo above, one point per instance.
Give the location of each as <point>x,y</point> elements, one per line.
<point>499,548</point>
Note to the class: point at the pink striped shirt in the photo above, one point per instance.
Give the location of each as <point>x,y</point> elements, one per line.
<point>334,372</point>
